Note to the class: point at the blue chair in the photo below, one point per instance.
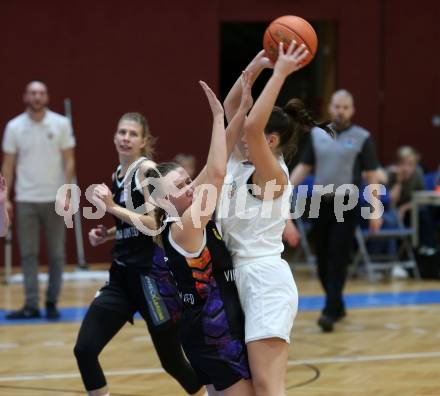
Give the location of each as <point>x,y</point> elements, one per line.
<point>430,180</point>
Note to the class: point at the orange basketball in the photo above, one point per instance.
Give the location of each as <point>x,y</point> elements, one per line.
<point>286,29</point>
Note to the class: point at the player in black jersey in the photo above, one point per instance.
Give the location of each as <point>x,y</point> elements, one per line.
<point>212,325</point>
<point>139,277</point>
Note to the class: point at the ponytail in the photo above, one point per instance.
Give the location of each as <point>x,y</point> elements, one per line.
<point>298,113</point>
<point>290,123</point>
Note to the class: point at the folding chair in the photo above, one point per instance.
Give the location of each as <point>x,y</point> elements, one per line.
<point>380,262</point>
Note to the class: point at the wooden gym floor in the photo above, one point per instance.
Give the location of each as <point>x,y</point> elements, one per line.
<point>388,345</point>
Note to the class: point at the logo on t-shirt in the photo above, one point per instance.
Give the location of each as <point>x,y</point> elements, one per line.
<point>348,142</point>
<point>233,189</point>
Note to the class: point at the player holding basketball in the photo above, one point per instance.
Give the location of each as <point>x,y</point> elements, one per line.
<point>139,278</point>
<point>4,218</point>
<point>265,283</point>
<point>212,320</point>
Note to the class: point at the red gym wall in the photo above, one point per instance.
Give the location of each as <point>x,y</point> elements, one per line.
<point>112,56</point>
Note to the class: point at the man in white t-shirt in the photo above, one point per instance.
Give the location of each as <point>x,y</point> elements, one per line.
<point>38,147</point>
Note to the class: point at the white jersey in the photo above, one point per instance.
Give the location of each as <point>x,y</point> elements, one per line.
<point>251,227</point>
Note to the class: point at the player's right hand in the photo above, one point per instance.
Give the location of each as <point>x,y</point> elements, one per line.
<point>98,235</point>
<point>260,62</point>
<point>290,60</point>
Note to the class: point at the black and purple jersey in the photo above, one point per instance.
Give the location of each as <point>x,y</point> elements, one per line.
<point>212,323</point>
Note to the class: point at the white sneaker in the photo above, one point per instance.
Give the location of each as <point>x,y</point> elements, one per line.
<point>398,272</point>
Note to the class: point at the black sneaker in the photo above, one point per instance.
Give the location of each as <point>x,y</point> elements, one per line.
<point>24,313</point>
<point>326,323</point>
<point>52,311</point>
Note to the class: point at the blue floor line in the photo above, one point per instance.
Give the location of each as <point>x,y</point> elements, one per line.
<point>306,303</point>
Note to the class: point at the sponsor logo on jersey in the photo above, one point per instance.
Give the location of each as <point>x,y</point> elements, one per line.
<point>157,308</point>
<point>230,275</point>
<point>233,189</point>
<point>217,235</point>
<point>188,298</point>
<point>125,233</point>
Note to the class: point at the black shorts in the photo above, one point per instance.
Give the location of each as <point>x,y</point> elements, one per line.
<point>129,291</point>
<point>221,365</point>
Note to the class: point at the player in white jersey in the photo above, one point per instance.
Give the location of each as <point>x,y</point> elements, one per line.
<point>252,215</point>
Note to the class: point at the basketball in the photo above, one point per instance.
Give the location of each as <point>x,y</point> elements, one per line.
<point>286,29</point>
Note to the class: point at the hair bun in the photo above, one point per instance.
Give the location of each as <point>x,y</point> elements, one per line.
<point>294,107</point>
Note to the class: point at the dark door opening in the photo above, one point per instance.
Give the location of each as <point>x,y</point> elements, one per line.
<point>314,84</point>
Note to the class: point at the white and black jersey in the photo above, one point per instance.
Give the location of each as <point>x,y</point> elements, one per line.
<point>132,247</point>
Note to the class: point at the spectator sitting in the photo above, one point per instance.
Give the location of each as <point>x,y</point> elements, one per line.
<point>405,177</point>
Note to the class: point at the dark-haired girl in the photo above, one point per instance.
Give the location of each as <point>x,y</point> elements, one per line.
<point>139,278</point>
<point>253,212</point>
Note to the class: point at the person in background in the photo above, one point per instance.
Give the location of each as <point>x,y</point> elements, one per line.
<point>337,161</point>
<point>139,279</point>
<point>38,146</point>
<point>404,177</point>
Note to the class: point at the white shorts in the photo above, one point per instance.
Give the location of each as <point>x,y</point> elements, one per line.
<point>268,296</point>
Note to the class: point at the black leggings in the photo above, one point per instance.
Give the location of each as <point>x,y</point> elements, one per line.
<point>101,325</point>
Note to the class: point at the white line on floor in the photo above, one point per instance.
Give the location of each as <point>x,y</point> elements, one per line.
<point>327,360</point>
<point>360,359</point>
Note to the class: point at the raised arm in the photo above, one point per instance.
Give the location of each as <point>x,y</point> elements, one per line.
<point>267,166</point>
<point>254,69</point>
<point>142,216</point>
<point>234,130</point>
<point>235,127</point>
<point>103,193</point>
<point>195,218</point>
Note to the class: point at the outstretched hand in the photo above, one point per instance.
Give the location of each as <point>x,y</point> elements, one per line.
<point>214,103</point>
<point>260,62</point>
<point>291,60</point>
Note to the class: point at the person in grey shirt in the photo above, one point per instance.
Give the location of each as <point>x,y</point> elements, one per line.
<point>341,160</point>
